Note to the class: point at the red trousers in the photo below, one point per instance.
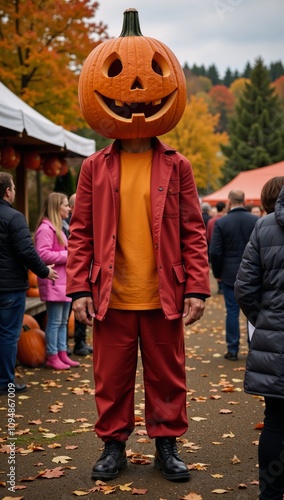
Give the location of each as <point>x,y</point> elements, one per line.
<point>161,342</point>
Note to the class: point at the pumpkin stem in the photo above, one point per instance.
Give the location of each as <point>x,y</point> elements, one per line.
<point>131,26</point>
<point>26,328</point>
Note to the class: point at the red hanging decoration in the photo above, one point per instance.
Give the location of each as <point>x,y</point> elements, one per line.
<point>10,158</point>
<point>32,160</point>
<point>52,166</point>
<point>64,167</point>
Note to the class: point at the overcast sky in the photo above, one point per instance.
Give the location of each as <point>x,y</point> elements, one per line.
<point>227,33</point>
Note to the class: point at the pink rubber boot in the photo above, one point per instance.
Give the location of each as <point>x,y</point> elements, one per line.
<point>54,362</point>
<point>65,359</point>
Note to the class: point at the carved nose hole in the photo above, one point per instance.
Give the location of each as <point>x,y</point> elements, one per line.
<point>136,84</point>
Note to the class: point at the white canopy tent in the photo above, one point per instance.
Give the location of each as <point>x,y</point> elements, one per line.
<point>17,116</point>
<point>24,128</point>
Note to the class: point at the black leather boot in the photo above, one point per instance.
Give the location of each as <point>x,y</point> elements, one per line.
<point>168,460</point>
<point>82,349</point>
<point>80,336</point>
<point>112,460</point>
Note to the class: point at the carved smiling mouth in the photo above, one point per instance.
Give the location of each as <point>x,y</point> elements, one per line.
<point>126,110</point>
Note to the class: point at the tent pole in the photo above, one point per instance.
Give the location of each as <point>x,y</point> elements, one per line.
<point>22,191</point>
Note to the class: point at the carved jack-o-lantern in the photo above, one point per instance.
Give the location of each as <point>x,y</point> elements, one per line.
<point>132,86</point>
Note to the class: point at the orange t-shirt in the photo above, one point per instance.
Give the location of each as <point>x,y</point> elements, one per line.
<point>135,283</point>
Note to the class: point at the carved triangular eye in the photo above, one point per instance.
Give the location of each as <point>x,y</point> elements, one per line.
<point>156,67</point>
<point>115,68</point>
<point>160,65</point>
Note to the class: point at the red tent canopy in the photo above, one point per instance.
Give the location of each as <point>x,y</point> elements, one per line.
<point>250,181</point>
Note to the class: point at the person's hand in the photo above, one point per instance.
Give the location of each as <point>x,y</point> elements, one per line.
<point>84,310</point>
<point>52,275</point>
<point>193,310</point>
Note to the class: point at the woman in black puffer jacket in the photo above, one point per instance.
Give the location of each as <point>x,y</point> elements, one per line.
<point>259,290</point>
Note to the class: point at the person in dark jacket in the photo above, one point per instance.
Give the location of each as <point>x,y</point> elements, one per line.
<point>230,236</point>
<point>259,290</point>
<point>206,209</point>
<point>17,256</point>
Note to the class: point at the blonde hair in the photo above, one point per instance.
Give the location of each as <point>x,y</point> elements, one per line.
<point>50,211</point>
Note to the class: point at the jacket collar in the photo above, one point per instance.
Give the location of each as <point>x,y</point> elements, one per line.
<point>5,202</point>
<point>157,145</point>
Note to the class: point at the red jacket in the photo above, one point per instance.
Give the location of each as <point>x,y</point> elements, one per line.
<point>179,236</point>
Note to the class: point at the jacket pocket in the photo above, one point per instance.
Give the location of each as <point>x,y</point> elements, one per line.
<point>179,284</point>
<point>95,279</point>
<point>172,198</point>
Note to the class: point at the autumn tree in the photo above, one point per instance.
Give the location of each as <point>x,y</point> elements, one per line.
<point>279,88</point>
<point>43,44</point>
<point>196,84</point>
<point>195,137</point>
<point>257,130</point>
<point>222,102</point>
<point>237,88</point>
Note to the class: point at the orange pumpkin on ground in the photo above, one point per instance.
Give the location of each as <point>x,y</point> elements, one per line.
<point>31,347</point>
<point>29,322</point>
<point>132,86</point>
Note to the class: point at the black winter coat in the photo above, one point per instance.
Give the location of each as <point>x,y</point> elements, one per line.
<point>259,290</point>
<point>17,252</point>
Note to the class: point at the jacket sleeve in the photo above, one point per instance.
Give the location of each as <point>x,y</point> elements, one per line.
<point>45,246</point>
<point>24,247</point>
<point>216,251</point>
<point>193,240</point>
<point>80,243</point>
<point>249,280</point>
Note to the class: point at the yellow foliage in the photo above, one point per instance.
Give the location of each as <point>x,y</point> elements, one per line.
<point>238,86</point>
<point>195,138</point>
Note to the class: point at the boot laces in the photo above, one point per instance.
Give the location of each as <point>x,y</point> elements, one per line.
<point>169,447</point>
<point>112,448</point>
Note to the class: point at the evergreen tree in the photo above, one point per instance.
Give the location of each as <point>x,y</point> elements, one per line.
<point>228,78</point>
<point>213,74</point>
<point>257,129</point>
<point>276,69</point>
<point>195,70</point>
<point>247,71</point>
<point>236,75</point>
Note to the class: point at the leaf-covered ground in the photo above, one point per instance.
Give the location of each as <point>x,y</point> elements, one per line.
<point>55,446</point>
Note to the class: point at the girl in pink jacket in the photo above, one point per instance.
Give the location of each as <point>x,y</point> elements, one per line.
<point>51,245</point>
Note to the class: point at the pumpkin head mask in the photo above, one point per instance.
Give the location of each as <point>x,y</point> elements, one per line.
<point>132,86</point>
